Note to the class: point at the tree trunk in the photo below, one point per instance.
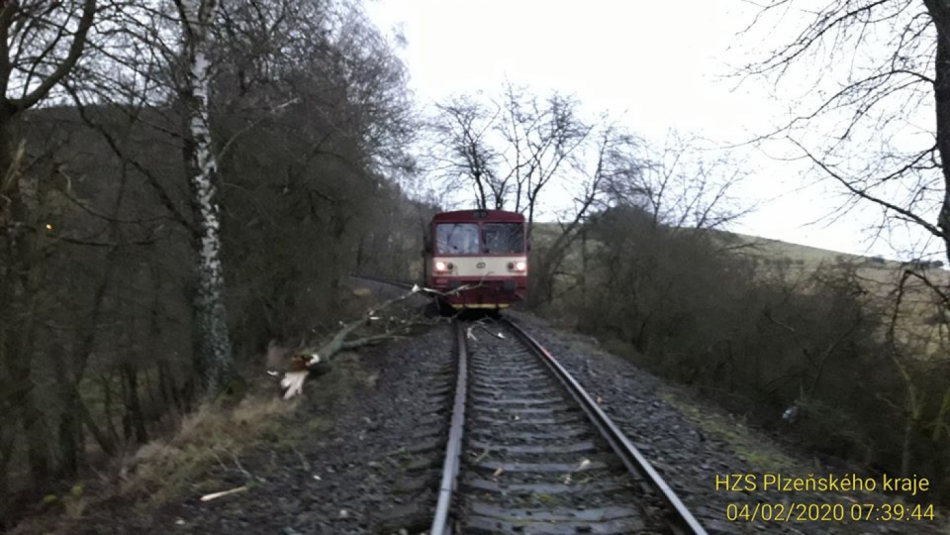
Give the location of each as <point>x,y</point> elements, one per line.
<point>940,13</point>
<point>69,418</point>
<point>906,447</point>
<point>214,360</point>
<point>133,420</point>
<point>107,405</point>
<point>583,276</point>
<point>16,270</point>
<point>6,505</point>
<point>530,219</point>
<point>107,444</point>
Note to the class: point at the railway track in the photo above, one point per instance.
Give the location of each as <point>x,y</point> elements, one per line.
<point>529,451</point>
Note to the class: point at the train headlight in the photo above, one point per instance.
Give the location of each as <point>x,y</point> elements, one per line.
<point>443,266</point>
<point>520,265</point>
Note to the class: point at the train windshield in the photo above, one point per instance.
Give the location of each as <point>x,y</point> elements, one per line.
<point>456,238</point>
<point>503,238</point>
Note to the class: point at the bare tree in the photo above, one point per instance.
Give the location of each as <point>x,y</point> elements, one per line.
<point>463,126</point>
<point>673,189</point>
<point>880,64</point>
<point>598,171</point>
<point>214,358</point>
<point>553,133</point>
<point>292,114</point>
<point>509,152</point>
<point>40,44</point>
<point>681,185</point>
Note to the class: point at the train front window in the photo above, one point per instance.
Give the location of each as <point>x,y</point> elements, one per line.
<point>503,238</point>
<point>456,238</point>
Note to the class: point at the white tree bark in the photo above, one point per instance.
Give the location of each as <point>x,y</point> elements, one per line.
<point>213,344</point>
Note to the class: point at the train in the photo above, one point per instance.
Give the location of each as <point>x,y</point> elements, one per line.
<point>477,259</point>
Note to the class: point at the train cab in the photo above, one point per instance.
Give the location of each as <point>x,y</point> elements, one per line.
<point>477,259</point>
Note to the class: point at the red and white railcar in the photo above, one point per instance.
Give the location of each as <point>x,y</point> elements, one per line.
<point>484,252</point>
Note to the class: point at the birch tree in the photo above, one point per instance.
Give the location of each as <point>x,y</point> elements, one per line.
<point>213,344</point>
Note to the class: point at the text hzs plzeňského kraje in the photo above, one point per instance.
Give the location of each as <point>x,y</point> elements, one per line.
<point>751,482</point>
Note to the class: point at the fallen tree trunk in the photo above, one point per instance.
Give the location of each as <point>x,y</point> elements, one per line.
<point>307,361</point>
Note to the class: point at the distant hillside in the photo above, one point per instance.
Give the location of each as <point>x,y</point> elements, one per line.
<point>880,275</point>
<point>921,316</point>
<point>805,255</point>
<point>813,256</point>
<point>920,313</point>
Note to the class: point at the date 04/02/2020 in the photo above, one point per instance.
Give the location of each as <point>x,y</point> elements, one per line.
<point>829,512</point>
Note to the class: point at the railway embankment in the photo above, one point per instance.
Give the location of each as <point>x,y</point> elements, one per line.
<point>362,451</point>
<point>692,443</point>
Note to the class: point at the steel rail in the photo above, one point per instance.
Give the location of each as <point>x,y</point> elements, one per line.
<point>453,448</point>
<point>632,458</point>
<point>635,462</point>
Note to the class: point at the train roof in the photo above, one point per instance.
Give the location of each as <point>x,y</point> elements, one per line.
<point>478,215</point>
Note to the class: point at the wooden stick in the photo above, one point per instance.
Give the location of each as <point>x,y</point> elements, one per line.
<point>216,495</point>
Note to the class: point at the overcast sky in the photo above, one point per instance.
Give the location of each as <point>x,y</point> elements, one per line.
<point>662,65</point>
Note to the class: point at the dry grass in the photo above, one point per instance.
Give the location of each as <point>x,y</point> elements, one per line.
<point>166,469</point>
<point>920,322</point>
<point>213,440</point>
